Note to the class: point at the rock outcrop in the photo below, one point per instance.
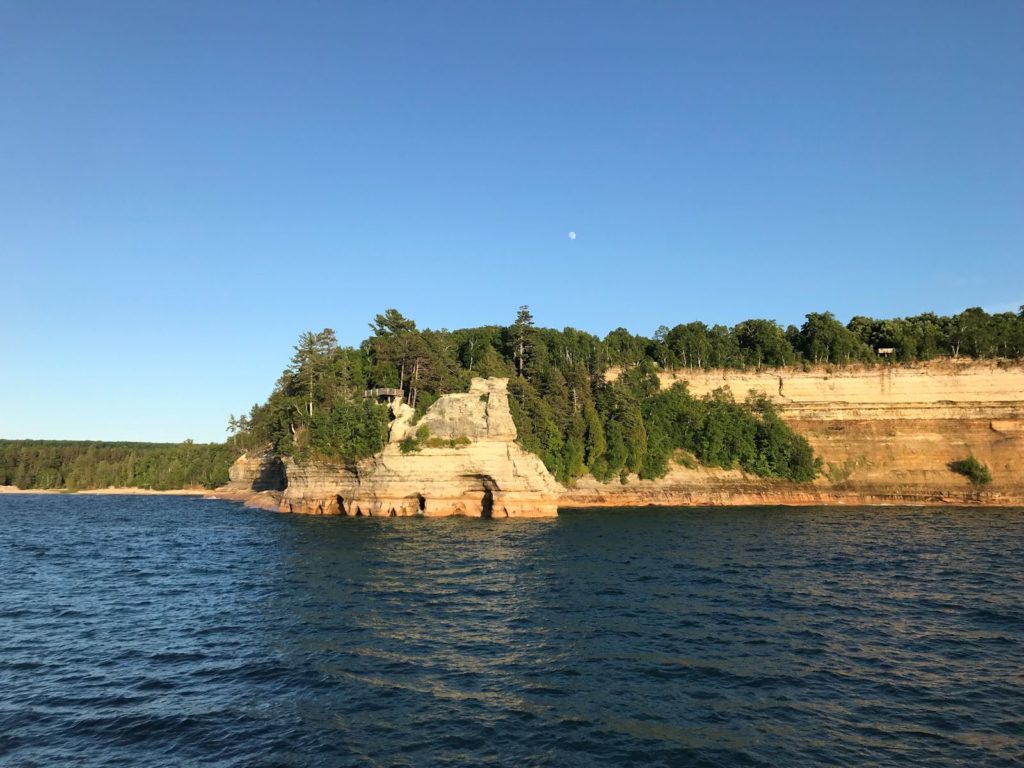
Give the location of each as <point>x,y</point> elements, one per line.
<point>887,436</point>
<point>470,465</point>
<point>264,472</point>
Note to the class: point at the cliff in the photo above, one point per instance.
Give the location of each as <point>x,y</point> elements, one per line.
<point>469,465</point>
<point>257,473</point>
<point>896,429</point>
<point>886,435</point>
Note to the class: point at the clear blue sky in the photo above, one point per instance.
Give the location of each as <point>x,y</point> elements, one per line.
<point>187,186</point>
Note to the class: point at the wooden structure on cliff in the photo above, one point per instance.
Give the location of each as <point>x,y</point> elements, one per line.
<point>391,395</point>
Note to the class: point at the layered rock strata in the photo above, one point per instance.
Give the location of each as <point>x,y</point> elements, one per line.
<point>264,472</point>
<point>886,435</point>
<point>469,464</point>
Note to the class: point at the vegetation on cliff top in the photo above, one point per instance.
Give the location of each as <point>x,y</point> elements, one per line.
<point>565,408</point>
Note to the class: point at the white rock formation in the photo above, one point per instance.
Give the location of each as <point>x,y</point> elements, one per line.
<point>489,476</point>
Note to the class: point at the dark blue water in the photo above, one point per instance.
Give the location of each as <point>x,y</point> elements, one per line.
<point>168,631</point>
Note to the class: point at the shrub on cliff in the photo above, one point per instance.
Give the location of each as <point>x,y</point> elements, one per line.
<point>723,433</point>
<point>973,470</point>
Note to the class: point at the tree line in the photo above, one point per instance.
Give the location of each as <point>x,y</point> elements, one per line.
<point>569,412</point>
<point>566,410</point>
<point>822,339</point>
<point>80,464</point>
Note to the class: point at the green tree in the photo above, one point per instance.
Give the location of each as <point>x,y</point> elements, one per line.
<point>762,342</point>
<point>395,343</point>
<point>310,358</point>
<point>521,333</point>
<point>823,339</point>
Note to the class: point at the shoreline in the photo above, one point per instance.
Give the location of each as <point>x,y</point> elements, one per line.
<point>274,501</point>
<point>131,491</point>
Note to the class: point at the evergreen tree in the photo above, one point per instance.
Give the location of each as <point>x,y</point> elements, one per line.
<point>521,337</point>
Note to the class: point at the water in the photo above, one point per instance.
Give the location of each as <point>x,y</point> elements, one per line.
<point>174,631</point>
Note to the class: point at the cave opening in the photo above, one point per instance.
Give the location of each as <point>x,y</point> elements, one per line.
<point>341,505</point>
<point>487,504</point>
<point>421,503</point>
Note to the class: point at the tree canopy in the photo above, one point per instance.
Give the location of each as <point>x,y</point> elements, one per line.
<point>567,410</point>
<point>83,464</point>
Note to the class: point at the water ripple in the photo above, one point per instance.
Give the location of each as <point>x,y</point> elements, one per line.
<point>170,631</point>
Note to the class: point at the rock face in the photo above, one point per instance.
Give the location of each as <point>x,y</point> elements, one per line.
<point>257,473</point>
<point>480,414</point>
<point>489,476</point>
<point>887,436</point>
<point>896,430</point>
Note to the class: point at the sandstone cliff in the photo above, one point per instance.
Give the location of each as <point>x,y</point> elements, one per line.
<point>886,435</point>
<point>257,473</point>
<point>471,466</point>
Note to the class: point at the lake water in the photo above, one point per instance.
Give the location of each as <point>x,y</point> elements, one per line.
<point>175,631</point>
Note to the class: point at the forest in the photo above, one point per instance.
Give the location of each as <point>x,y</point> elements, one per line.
<point>81,464</point>
<point>575,416</point>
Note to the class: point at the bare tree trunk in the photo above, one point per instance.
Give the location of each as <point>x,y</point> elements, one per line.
<point>413,391</point>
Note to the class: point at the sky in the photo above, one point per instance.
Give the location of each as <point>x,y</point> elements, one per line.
<point>185,187</point>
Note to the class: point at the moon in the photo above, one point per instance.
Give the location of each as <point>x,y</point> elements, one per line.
<point>572,235</point>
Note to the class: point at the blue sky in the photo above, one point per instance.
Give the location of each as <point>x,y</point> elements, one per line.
<point>186,187</point>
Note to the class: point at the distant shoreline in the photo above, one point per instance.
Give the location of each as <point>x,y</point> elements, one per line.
<point>13,489</point>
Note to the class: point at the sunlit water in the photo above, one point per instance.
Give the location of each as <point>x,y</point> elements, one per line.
<point>169,631</point>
